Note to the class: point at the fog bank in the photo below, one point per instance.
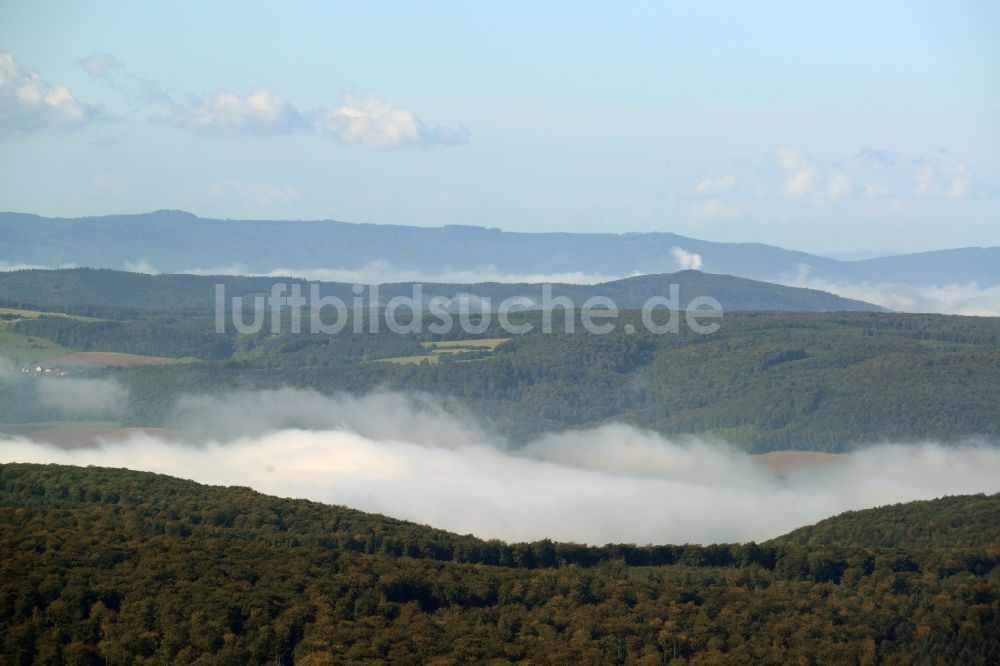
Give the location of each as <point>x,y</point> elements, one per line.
<point>412,458</point>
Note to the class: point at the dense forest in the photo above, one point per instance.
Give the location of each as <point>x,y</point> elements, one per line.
<point>961,522</point>
<point>119,567</point>
<point>764,381</point>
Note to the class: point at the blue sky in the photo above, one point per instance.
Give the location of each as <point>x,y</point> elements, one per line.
<point>831,127</point>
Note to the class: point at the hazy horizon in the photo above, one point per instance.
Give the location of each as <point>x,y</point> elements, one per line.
<point>846,128</point>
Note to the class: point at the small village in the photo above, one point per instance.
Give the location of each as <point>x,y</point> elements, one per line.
<point>43,371</point>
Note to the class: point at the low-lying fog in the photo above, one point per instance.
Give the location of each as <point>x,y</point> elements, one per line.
<point>410,458</point>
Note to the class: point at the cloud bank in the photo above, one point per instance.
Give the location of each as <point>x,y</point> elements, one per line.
<point>82,397</point>
<point>715,185</point>
<point>28,104</point>
<point>957,299</point>
<point>382,272</point>
<point>70,397</point>
<point>225,112</point>
<point>367,120</point>
<point>362,118</point>
<point>414,459</point>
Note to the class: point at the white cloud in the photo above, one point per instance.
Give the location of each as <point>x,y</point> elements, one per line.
<point>260,112</point>
<point>926,183</point>
<point>957,299</point>
<point>100,65</point>
<point>110,71</point>
<point>8,372</point>
<point>943,180</point>
<point>839,186</point>
<point>367,120</point>
<point>686,260</point>
<point>801,175</point>
<point>882,157</point>
<point>82,397</point>
<point>959,183</point>
<point>363,118</point>
<point>712,209</point>
<point>715,185</point>
<point>413,459</point>
<point>9,266</point>
<point>141,266</point>
<point>29,104</point>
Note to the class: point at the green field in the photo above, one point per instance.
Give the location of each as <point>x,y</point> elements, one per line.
<point>30,349</point>
<point>446,348</point>
<point>24,349</point>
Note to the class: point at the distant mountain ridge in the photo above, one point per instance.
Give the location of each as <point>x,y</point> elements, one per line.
<point>176,241</point>
<point>103,287</point>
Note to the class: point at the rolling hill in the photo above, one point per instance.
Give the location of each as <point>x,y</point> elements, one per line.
<point>958,522</point>
<point>764,381</point>
<point>86,286</point>
<point>102,565</point>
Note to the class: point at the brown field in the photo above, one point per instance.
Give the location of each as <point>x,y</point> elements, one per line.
<point>82,437</point>
<point>35,314</point>
<point>107,360</point>
<point>409,360</point>
<point>784,462</point>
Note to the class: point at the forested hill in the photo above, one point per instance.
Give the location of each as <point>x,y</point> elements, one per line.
<point>113,566</point>
<point>960,522</point>
<point>84,286</point>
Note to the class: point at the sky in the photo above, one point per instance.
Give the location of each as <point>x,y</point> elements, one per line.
<point>835,127</point>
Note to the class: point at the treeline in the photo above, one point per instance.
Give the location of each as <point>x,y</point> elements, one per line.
<point>958,522</point>
<point>121,567</point>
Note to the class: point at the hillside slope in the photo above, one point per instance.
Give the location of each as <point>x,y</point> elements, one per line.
<point>100,565</point>
<point>763,381</point>
<point>959,522</point>
<point>105,288</point>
